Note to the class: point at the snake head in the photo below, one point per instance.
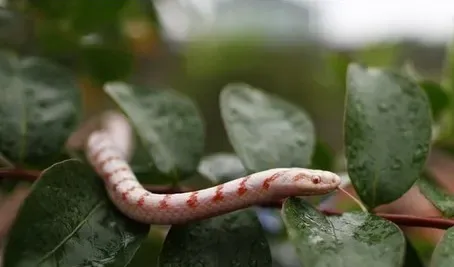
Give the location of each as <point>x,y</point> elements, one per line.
<point>313,182</point>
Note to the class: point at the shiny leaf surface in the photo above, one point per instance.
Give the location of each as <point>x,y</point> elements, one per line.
<point>387,133</point>
<point>266,131</point>
<point>353,239</point>
<point>437,195</point>
<point>442,255</point>
<point>68,220</point>
<point>234,239</point>
<point>169,125</point>
<point>39,106</point>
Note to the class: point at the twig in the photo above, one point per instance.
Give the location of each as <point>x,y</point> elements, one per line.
<point>399,219</point>
<point>28,175</point>
<point>408,220</point>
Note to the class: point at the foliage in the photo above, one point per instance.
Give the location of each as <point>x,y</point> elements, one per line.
<point>392,120</point>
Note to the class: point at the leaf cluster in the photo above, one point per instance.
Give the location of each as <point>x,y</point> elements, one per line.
<point>68,220</point>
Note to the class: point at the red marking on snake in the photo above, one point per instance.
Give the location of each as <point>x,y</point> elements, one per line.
<point>163,203</point>
<point>242,189</point>
<point>141,200</point>
<point>192,201</point>
<point>298,177</point>
<point>125,194</point>
<point>122,169</point>
<point>121,181</point>
<point>267,181</point>
<point>219,195</point>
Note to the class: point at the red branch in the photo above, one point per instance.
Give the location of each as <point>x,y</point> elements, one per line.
<point>400,219</point>
<point>28,175</point>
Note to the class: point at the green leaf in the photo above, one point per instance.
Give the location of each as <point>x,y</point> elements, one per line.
<point>222,167</point>
<point>387,133</point>
<point>442,255</point>
<point>233,239</point>
<point>144,169</point>
<point>39,106</point>
<point>148,253</point>
<point>443,201</point>
<point>168,123</point>
<point>68,220</point>
<point>266,131</point>
<point>439,99</point>
<point>438,96</point>
<point>353,239</point>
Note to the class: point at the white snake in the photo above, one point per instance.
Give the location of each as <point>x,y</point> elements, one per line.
<point>137,203</point>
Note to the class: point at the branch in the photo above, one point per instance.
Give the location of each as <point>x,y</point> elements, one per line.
<point>28,175</point>
<point>408,220</point>
<point>400,219</point>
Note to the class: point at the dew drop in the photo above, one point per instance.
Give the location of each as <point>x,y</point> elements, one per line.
<point>383,107</point>
<point>419,154</point>
<point>396,165</point>
<point>301,141</point>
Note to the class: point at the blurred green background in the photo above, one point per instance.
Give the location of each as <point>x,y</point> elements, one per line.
<point>197,47</point>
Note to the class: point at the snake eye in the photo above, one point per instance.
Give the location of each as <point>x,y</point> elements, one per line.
<point>316,179</point>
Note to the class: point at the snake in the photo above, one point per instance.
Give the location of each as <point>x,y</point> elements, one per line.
<point>139,204</point>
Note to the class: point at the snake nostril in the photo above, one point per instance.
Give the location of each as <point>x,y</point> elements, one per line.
<point>316,179</point>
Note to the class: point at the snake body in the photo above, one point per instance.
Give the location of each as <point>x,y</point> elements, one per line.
<point>133,200</point>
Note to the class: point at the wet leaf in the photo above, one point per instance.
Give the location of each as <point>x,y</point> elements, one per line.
<point>443,201</point>
<point>169,125</point>
<point>353,239</point>
<point>233,239</point>
<point>442,255</point>
<point>387,133</point>
<point>266,131</point>
<point>39,106</point>
<point>222,167</point>
<point>68,220</point>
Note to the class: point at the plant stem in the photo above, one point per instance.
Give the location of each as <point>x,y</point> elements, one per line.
<point>399,219</point>
<point>28,175</point>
